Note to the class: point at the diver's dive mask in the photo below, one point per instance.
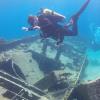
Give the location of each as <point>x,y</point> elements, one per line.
<point>33,20</point>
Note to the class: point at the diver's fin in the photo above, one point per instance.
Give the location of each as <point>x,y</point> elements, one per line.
<point>82,8</point>
<point>75,17</point>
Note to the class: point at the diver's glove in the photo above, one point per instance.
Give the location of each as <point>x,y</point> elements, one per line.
<point>30,28</point>
<point>25,28</point>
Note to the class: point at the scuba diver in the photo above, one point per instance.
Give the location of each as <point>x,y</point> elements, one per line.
<point>50,24</point>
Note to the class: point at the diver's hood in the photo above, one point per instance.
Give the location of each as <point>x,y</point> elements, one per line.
<point>33,20</point>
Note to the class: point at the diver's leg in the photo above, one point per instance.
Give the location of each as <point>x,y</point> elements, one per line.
<point>60,39</point>
<point>44,35</point>
<point>75,28</point>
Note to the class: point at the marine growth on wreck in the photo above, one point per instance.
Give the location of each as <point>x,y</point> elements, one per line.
<point>49,50</point>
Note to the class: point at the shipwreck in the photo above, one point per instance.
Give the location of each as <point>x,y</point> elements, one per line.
<point>31,69</point>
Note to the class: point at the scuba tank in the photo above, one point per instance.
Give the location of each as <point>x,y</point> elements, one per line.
<point>53,15</point>
<point>50,12</point>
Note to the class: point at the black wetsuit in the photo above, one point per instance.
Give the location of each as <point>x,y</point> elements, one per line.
<point>51,28</point>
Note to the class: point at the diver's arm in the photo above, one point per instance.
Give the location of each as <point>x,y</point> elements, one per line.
<point>27,29</point>
<point>30,28</point>
<point>36,27</point>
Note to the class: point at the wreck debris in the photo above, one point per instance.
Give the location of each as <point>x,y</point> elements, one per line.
<point>17,86</point>
<point>87,91</point>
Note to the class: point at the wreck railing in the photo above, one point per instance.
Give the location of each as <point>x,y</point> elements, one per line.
<point>67,94</point>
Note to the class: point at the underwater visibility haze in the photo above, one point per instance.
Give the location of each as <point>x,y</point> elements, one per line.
<point>14,15</point>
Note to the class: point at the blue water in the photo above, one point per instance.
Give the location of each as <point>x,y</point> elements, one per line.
<point>14,13</point>
<point>92,71</point>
